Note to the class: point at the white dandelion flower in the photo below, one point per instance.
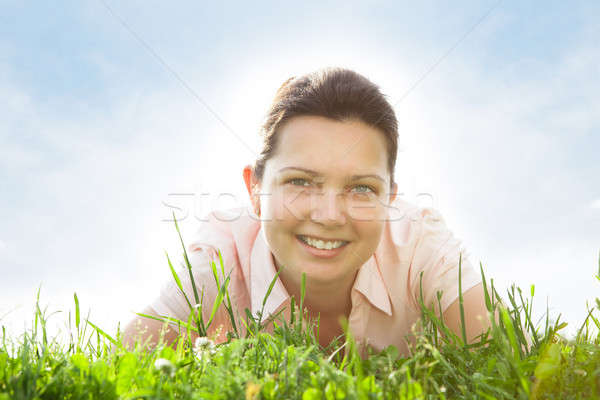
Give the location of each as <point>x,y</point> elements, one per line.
<point>165,366</point>
<point>204,347</point>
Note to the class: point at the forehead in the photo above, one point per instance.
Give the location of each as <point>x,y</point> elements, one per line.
<point>330,146</point>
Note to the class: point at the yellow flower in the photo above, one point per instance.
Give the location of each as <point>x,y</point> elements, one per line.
<point>252,390</point>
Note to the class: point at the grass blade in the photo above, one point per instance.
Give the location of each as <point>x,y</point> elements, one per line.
<point>106,335</point>
<point>217,302</point>
<point>486,293</point>
<point>178,281</point>
<point>461,301</point>
<point>270,289</point>
<point>76,311</point>
<point>187,261</point>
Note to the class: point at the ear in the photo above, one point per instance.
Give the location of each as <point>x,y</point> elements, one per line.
<point>251,185</point>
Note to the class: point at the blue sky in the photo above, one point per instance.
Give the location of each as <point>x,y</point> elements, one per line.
<point>101,126</point>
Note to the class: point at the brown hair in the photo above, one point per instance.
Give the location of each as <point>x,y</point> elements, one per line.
<point>337,93</point>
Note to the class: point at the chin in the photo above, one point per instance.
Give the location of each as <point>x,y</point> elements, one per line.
<point>325,272</point>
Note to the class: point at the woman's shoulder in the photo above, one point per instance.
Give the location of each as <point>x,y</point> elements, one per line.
<point>429,246</point>
<point>414,212</point>
<point>230,232</point>
<point>409,223</point>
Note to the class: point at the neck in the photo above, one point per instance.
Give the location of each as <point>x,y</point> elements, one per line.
<point>330,300</point>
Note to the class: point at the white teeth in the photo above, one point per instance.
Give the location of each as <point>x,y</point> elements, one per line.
<point>319,244</point>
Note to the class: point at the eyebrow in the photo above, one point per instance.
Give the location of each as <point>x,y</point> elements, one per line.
<point>315,173</point>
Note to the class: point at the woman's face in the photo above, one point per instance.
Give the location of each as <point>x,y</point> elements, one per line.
<point>327,180</point>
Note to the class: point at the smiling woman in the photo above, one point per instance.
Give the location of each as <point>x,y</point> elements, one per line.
<point>325,205</point>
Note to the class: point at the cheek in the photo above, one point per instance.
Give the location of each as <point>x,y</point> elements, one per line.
<point>369,233</point>
<point>287,206</point>
<point>280,239</point>
<point>280,230</point>
<point>366,209</point>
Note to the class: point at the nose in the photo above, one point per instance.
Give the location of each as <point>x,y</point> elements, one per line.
<point>328,208</point>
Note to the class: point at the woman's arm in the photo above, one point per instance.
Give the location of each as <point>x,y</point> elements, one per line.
<point>476,314</point>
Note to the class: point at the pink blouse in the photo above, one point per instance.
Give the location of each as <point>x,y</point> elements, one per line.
<point>385,293</point>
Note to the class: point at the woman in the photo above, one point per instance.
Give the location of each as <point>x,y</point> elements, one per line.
<point>325,204</point>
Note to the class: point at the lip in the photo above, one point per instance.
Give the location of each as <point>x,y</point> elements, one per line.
<point>321,253</point>
<point>324,239</point>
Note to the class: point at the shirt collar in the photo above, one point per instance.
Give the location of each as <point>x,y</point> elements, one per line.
<point>262,273</point>
<point>369,281</point>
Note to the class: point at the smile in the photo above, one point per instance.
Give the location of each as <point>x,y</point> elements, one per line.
<point>322,244</point>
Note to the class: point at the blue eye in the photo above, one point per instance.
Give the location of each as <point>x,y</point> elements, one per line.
<point>365,186</point>
<point>296,179</point>
<point>293,180</point>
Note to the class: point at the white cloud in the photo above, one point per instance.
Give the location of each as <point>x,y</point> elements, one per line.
<point>595,204</point>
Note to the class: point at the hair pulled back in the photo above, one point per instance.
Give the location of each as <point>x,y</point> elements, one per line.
<point>336,93</point>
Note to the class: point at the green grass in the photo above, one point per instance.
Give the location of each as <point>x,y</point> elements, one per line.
<point>290,363</point>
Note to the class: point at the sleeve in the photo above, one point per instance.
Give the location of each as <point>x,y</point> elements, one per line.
<point>437,255</point>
